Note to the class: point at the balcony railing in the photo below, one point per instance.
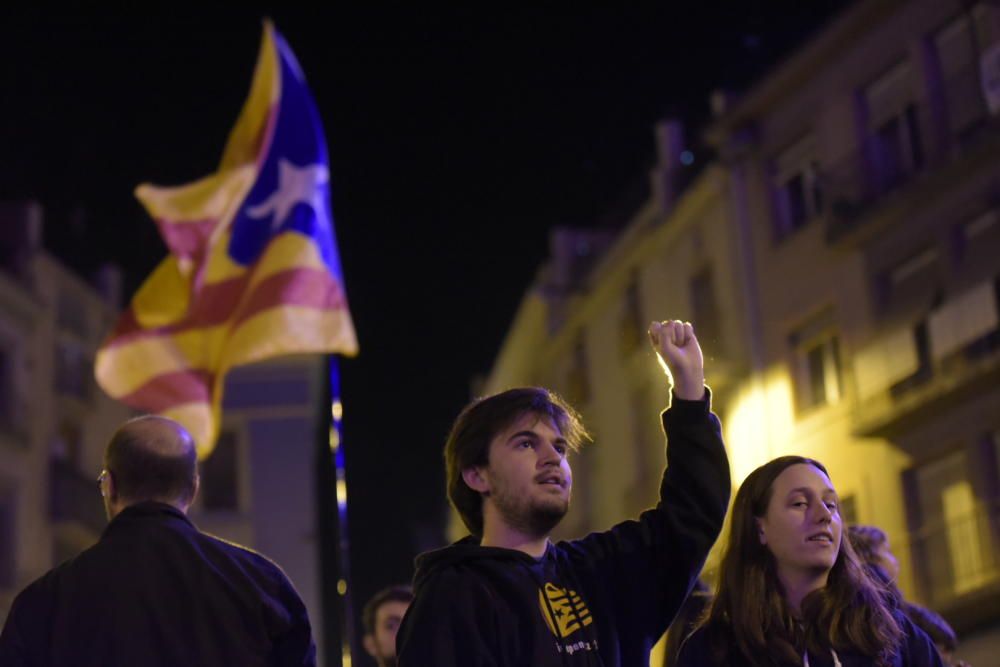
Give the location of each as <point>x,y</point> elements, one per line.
<point>958,358</point>
<point>923,136</point>
<point>955,558</point>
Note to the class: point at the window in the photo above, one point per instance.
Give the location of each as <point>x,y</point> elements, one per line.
<point>632,324</point>
<point>67,442</point>
<point>924,369</point>
<point>705,310</point>
<point>964,321</point>
<point>13,406</point>
<point>976,241</point>
<point>7,393</point>
<point>952,544</point>
<point>71,314</point>
<point>72,370</point>
<point>848,510</point>
<point>8,539</point>
<point>220,475</point>
<point>896,150</point>
<point>797,192</point>
<point>823,362</point>
<point>640,492</point>
<point>956,51</point>
<point>577,379</point>
<point>817,370</point>
<point>910,282</point>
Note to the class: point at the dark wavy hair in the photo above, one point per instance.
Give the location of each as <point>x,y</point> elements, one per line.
<point>749,614</point>
<point>469,441</point>
<point>398,593</point>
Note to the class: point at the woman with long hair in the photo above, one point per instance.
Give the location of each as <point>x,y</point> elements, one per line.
<point>791,591</point>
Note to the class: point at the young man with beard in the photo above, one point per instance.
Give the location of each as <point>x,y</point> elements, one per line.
<point>506,595</point>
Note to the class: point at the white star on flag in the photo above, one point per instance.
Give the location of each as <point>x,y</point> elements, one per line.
<point>295,185</point>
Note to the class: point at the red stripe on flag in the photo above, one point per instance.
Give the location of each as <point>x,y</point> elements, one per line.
<point>314,288</point>
<point>166,390</point>
<point>220,302</point>
<point>187,239</point>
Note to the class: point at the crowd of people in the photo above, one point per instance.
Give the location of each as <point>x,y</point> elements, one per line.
<point>795,585</point>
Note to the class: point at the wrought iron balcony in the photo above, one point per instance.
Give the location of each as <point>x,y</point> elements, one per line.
<point>927,143</point>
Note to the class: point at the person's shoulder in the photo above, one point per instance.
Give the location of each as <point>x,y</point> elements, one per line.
<point>916,646</point>
<point>79,566</point>
<point>243,554</point>
<point>453,579</point>
<point>701,647</point>
<point>37,595</point>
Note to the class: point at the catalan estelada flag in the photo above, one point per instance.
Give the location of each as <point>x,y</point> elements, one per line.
<point>253,270</point>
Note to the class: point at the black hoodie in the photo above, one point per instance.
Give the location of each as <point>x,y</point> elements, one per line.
<point>601,600</point>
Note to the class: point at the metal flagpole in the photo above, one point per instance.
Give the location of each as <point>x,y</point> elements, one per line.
<point>334,541</point>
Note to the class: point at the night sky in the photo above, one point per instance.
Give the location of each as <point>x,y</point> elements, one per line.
<point>457,141</point>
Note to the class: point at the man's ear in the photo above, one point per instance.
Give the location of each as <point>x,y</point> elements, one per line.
<point>112,488</point>
<point>369,643</point>
<point>475,479</point>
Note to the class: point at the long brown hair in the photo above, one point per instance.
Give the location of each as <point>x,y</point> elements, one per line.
<point>749,614</point>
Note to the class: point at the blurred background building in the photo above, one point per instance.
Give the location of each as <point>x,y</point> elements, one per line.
<point>54,421</point>
<point>258,488</point>
<point>840,259</point>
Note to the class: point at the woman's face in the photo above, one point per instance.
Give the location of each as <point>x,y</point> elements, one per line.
<point>802,527</point>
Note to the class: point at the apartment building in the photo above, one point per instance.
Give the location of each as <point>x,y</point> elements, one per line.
<point>841,263</point>
<point>54,420</point>
<point>866,172</point>
<point>258,487</point>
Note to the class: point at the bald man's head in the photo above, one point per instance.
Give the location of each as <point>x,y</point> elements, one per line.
<point>153,458</point>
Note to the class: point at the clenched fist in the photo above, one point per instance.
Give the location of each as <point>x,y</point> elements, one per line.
<point>680,353</point>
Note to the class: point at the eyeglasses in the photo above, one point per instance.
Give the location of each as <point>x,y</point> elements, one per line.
<point>100,480</point>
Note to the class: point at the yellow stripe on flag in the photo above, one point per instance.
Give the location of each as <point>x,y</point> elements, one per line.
<point>121,369</point>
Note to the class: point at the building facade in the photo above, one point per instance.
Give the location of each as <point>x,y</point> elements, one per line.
<point>866,170</point>
<point>258,487</point>
<point>54,420</point>
<point>840,261</point>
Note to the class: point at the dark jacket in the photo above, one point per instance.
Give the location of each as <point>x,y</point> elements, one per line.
<point>601,600</point>
<point>156,591</point>
<point>916,650</point>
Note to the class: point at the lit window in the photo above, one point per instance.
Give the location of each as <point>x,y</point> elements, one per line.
<point>952,543</point>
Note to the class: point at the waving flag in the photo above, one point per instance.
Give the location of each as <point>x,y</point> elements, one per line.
<point>253,270</point>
